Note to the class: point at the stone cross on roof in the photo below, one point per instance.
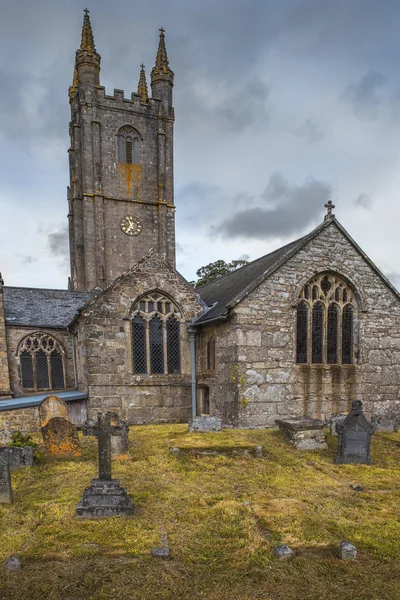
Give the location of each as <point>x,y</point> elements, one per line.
<point>329,208</point>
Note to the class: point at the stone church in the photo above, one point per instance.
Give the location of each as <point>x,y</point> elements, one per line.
<point>302,331</point>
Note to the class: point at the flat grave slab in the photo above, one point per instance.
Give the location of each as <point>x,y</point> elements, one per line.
<point>304,434</point>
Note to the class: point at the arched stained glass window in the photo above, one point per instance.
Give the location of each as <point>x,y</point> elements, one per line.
<point>156,336</point>
<point>41,360</point>
<point>332,334</point>
<point>173,346</point>
<point>57,370</point>
<point>139,345</point>
<point>317,325</point>
<point>302,332</point>
<point>347,335</point>
<point>25,358</point>
<point>128,146</point>
<point>325,321</point>
<point>156,346</point>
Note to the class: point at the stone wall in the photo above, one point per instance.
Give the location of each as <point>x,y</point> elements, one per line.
<point>22,419</point>
<point>104,342</point>
<point>4,370</point>
<point>257,379</point>
<point>16,334</point>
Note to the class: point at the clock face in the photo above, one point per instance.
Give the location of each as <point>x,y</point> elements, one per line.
<point>130,225</point>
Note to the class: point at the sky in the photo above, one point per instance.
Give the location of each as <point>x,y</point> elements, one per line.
<point>279,106</point>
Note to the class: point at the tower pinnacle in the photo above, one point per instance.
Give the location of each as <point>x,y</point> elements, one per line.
<point>87,42</point>
<point>142,85</point>
<point>161,70</point>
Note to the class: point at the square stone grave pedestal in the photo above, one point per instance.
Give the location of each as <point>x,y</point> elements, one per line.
<point>305,434</point>
<point>104,499</point>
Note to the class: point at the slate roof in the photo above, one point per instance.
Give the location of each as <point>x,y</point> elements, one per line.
<point>36,307</point>
<point>223,293</point>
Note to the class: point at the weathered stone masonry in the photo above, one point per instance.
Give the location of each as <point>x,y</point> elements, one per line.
<point>256,378</point>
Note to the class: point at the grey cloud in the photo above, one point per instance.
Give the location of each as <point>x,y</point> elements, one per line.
<point>239,109</point>
<point>394,278</point>
<point>58,241</point>
<point>27,260</point>
<point>364,97</point>
<point>283,209</point>
<point>364,200</point>
<point>310,132</point>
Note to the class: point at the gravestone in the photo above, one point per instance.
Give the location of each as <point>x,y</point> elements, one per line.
<point>204,424</point>
<point>6,496</point>
<point>18,457</point>
<point>61,438</point>
<point>120,442</point>
<point>105,497</point>
<point>354,437</point>
<point>51,407</point>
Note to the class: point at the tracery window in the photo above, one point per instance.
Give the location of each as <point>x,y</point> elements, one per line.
<point>156,347</point>
<point>325,321</point>
<point>128,146</point>
<point>41,360</point>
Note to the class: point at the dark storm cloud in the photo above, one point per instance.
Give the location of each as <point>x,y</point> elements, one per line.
<point>364,96</point>
<point>282,209</point>
<point>364,200</point>
<point>310,132</point>
<point>58,241</point>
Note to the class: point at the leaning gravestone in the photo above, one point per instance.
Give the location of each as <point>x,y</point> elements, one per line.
<point>61,438</point>
<point>5,481</point>
<point>51,407</point>
<point>105,497</point>
<point>354,441</point>
<point>18,457</point>
<point>120,442</point>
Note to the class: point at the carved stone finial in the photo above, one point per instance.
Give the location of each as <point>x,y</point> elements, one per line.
<point>142,85</point>
<point>87,42</point>
<point>161,71</point>
<point>329,208</point>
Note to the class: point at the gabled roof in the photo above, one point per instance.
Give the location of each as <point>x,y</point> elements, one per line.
<point>152,254</point>
<point>223,293</point>
<point>34,307</point>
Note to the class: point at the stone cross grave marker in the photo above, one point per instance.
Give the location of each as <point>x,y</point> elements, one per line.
<point>5,481</point>
<point>61,438</point>
<point>105,497</point>
<point>51,407</point>
<point>354,441</point>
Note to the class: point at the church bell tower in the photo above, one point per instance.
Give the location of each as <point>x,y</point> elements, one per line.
<point>120,197</point>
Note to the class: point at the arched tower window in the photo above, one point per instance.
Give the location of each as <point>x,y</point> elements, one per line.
<point>325,321</point>
<point>41,360</point>
<point>156,336</point>
<point>128,146</point>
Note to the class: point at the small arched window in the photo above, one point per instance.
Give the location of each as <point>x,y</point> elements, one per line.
<point>156,336</point>
<point>325,321</point>
<point>128,146</point>
<point>41,360</point>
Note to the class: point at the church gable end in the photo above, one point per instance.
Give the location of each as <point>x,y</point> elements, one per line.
<point>351,338</point>
<point>133,344</point>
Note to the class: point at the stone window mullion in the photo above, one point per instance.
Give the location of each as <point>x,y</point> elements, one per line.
<point>148,346</point>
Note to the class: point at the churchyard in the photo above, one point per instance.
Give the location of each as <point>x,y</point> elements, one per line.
<point>216,518</point>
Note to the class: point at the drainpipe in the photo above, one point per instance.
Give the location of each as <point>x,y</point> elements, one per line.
<point>74,358</point>
<point>192,339</point>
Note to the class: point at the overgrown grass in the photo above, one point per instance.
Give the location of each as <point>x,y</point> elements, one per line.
<point>223,516</point>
